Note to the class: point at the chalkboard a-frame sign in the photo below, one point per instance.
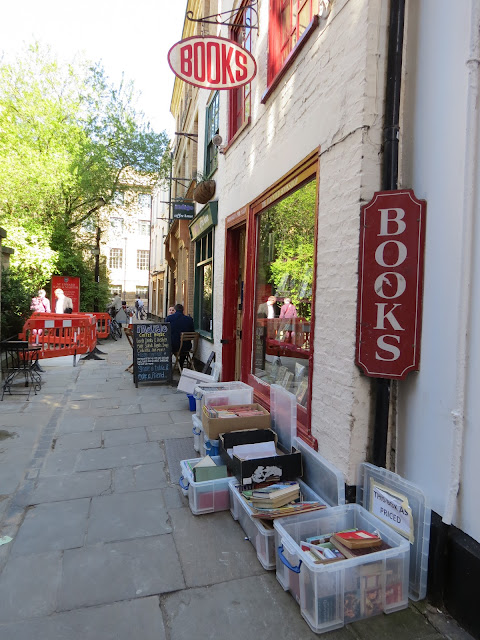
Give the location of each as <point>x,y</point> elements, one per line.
<point>152,352</point>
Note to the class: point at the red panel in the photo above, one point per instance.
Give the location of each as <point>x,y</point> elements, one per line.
<point>390,284</point>
<point>70,286</point>
<point>230,297</point>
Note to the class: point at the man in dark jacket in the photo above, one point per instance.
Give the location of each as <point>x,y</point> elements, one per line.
<point>179,323</point>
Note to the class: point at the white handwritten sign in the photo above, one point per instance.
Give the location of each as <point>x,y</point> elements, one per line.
<point>392,508</point>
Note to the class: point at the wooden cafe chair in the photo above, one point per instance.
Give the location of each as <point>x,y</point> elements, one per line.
<point>187,336</point>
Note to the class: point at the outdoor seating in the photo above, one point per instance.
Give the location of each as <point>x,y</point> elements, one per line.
<point>20,364</point>
<point>187,336</point>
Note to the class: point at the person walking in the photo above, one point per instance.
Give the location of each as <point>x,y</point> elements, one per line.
<point>288,312</point>
<point>62,303</point>
<point>139,307</point>
<point>40,303</point>
<point>179,323</point>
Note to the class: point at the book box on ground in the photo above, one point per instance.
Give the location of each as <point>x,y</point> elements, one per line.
<point>320,481</point>
<point>190,379</point>
<point>283,466</point>
<point>332,595</point>
<point>222,393</point>
<point>207,496</point>
<point>213,426</point>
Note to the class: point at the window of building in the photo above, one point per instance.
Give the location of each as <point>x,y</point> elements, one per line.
<point>239,99</point>
<point>144,227</point>
<point>145,202</point>
<point>118,198</point>
<point>141,291</point>
<point>283,302</point>
<point>116,225</point>
<point>116,259</point>
<point>142,259</point>
<point>89,225</point>
<point>212,129</point>
<point>288,21</point>
<point>203,308</point>
<point>116,289</point>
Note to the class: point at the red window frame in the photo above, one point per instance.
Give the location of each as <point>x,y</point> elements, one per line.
<point>240,98</point>
<point>289,19</point>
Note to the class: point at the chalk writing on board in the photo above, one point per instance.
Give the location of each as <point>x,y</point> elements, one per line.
<point>152,353</point>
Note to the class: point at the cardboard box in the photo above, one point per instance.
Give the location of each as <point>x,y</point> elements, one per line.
<point>214,426</point>
<point>190,379</point>
<point>285,466</point>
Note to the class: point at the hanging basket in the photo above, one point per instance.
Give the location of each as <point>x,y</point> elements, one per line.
<point>204,191</point>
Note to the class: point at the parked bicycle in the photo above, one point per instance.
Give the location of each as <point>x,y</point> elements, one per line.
<point>115,327</point>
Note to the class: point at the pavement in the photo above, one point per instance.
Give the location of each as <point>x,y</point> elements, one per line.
<point>103,543</point>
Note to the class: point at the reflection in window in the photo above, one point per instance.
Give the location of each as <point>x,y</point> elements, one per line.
<point>285,260</point>
<point>204,284</point>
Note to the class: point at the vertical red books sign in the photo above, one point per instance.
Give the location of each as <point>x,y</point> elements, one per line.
<point>390,284</point>
<point>71,288</point>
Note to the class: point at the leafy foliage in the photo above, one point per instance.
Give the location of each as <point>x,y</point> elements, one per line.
<point>16,299</point>
<point>67,136</point>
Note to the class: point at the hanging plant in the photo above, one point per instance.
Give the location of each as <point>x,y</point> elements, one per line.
<point>204,191</point>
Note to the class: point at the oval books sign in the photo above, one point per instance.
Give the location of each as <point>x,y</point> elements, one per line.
<point>212,63</point>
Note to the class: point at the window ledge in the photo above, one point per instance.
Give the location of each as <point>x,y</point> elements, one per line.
<point>205,335</point>
<point>291,58</point>
<point>237,135</point>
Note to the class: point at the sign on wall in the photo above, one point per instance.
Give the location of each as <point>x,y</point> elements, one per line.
<point>183,210</point>
<point>390,284</point>
<point>212,62</point>
<point>71,288</point>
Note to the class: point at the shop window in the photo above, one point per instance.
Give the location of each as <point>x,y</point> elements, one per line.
<point>203,308</point>
<point>212,129</point>
<point>142,259</point>
<point>116,259</point>
<point>283,300</point>
<point>289,19</point>
<point>239,99</point>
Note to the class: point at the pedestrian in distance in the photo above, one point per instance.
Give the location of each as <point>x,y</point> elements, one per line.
<point>139,307</point>
<point>40,303</point>
<point>288,312</point>
<point>269,309</point>
<point>179,323</point>
<point>62,303</point>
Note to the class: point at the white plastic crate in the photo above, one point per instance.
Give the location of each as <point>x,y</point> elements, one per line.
<point>222,393</point>
<point>197,432</point>
<point>320,481</point>
<point>331,595</point>
<point>204,497</point>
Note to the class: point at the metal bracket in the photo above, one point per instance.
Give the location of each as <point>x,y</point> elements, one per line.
<point>218,17</point>
<point>190,136</point>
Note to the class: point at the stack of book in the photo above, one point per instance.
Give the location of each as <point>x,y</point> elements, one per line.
<point>233,412</point>
<point>278,500</point>
<point>356,543</point>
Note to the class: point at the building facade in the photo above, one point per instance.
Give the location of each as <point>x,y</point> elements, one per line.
<point>294,156</point>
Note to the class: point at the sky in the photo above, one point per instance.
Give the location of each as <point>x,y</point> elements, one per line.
<point>126,36</point>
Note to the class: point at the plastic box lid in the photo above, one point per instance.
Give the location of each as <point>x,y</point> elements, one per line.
<point>403,506</point>
<point>320,475</point>
<point>283,410</point>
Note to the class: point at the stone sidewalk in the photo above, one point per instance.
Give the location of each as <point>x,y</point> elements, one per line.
<point>104,546</point>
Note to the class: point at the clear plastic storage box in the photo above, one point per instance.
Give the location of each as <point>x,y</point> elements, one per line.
<point>204,497</point>
<point>222,393</point>
<point>197,432</point>
<point>331,595</point>
<point>320,481</point>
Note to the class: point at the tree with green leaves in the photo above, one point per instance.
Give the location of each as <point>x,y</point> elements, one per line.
<point>67,136</point>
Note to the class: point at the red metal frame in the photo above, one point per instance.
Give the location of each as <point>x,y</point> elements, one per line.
<point>302,173</point>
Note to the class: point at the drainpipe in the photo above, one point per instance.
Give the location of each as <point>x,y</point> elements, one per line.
<point>389,182</point>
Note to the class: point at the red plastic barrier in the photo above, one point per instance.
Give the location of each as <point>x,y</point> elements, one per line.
<point>61,334</point>
<point>103,320</point>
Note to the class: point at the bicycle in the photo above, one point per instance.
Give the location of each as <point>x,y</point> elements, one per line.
<point>115,328</point>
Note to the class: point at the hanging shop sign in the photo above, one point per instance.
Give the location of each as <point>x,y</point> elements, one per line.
<point>183,210</point>
<point>390,284</point>
<point>212,63</point>
<point>205,220</point>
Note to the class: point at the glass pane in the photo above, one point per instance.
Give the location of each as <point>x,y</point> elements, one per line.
<point>303,19</point>
<point>286,237</point>
<point>206,298</point>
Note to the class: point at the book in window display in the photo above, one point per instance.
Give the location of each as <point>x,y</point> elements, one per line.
<point>302,390</point>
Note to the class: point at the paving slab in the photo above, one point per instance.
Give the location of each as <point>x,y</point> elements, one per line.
<point>141,420</point>
<point>139,478</point>
<point>132,435</point>
<point>224,552</point>
<point>253,607</point>
<point>125,516</point>
<point>402,625</point>
<point>52,527</point>
<point>119,571</point>
<point>167,431</point>
<point>78,441</point>
<point>58,463</point>
<point>28,586</point>
<point>77,485</point>
<point>135,620</point>
<point>181,416</point>
<point>120,456</point>
<point>177,449</point>
<point>72,423</point>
